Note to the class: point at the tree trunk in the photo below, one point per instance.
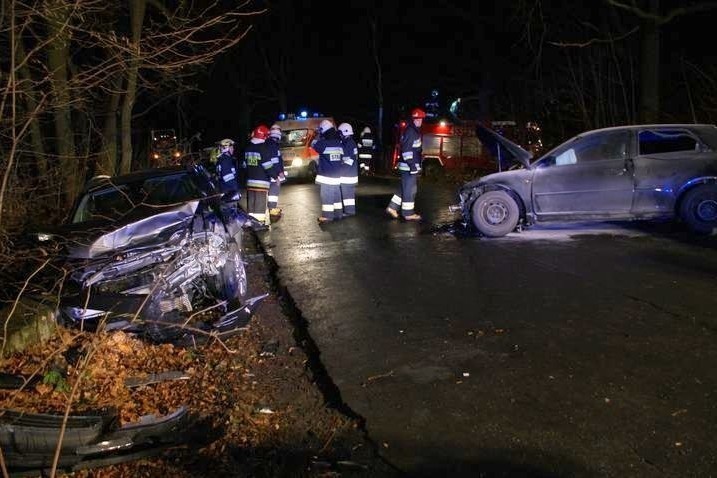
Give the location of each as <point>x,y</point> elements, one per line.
<point>58,58</point>
<point>650,66</point>
<point>31,108</point>
<point>137,9</point>
<point>107,162</point>
<point>379,81</point>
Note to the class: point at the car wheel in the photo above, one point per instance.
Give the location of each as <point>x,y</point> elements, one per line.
<point>495,213</point>
<point>699,209</point>
<point>232,282</point>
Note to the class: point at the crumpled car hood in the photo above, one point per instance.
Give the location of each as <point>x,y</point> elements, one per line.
<point>93,242</point>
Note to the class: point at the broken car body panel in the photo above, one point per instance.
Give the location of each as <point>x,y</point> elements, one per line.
<point>29,440</point>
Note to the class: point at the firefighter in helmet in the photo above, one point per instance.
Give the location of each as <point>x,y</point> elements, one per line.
<point>349,170</point>
<point>259,173</point>
<point>331,153</point>
<point>409,166</point>
<point>273,144</point>
<point>226,170</point>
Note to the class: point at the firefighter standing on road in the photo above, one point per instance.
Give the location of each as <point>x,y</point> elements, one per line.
<point>349,169</point>
<point>273,143</point>
<point>331,152</point>
<point>366,149</point>
<point>226,170</point>
<point>409,166</point>
<point>259,172</point>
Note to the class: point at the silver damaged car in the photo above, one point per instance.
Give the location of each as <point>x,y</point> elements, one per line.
<point>619,173</point>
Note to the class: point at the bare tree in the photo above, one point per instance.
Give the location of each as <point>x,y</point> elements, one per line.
<point>74,64</point>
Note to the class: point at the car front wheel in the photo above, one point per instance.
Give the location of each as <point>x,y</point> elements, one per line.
<point>495,213</point>
<point>699,209</point>
<point>232,281</point>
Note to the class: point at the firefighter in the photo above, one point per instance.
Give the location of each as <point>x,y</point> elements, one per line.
<point>349,170</point>
<point>226,170</point>
<point>366,149</point>
<point>409,166</point>
<point>273,143</point>
<point>259,172</point>
<point>328,177</point>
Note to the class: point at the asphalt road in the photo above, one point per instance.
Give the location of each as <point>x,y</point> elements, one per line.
<point>570,350</point>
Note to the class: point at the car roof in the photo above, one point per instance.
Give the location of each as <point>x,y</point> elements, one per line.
<point>133,177</point>
<point>648,125</point>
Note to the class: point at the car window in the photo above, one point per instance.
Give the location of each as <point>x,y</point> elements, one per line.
<point>114,201</point>
<point>600,146</point>
<point>108,203</point>
<point>169,189</point>
<point>658,141</point>
<point>708,135</point>
<point>294,137</point>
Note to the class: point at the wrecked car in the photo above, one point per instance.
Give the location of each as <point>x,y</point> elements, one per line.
<point>147,251</point>
<point>620,173</point>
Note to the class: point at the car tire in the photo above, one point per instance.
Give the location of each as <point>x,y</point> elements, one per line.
<point>232,282</point>
<point>495,213</point>
<point>698,209</point>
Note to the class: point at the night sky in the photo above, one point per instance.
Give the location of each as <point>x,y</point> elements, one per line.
<point>458,48</point>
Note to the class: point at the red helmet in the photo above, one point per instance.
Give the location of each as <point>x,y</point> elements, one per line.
<point>418,113</point>
<point>260,132</point>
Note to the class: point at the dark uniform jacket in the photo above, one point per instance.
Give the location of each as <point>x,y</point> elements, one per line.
<point>350,163</point>
<point>331,153</point>
<point>366,147</point>
<point>226,172</point>
<point>275,155</point>
<point>411,150</point>
<point>259,168</point>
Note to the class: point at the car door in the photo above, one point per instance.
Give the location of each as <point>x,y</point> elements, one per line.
<point>668,157</point>
<point>589,176</point>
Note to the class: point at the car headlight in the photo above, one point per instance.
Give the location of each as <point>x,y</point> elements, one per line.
<point>43,236</point>
<point>297,162</point>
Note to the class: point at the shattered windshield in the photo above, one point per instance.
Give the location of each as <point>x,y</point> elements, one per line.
<point>115,201</point>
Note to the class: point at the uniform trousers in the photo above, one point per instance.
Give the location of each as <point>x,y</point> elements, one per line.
<point>257,204</point>
<point>330,201</point>
<point>403,199</point>
<point>274,189</point>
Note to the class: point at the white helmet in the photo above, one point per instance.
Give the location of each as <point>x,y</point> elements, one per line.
<point>346,129</point>
<point>366,130</point>
<point>225,144</point>
<point>275,131</point>
<point>325,125</point>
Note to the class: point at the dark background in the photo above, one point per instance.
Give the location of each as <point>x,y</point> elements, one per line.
<point>503,57</point>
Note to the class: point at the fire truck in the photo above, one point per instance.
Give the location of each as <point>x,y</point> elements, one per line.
<point>297,134</point>
<point>454,146</point>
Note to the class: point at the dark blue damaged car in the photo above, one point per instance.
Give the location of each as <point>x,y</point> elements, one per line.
<point>147,251</point>
<point>665,171</point>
